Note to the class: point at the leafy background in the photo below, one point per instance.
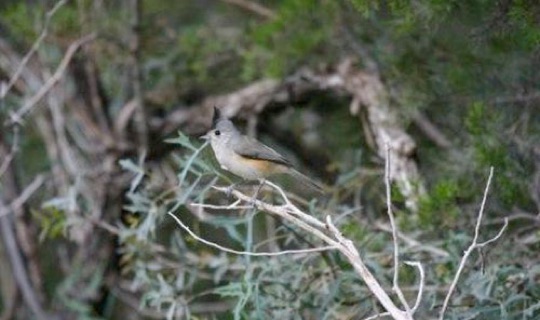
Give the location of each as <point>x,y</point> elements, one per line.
<point>470,67</point>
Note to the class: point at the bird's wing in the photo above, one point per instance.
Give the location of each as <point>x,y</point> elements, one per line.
<point>253,149</point>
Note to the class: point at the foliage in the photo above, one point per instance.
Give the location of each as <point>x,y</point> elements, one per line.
<point>468,66</point>
<point>317,285</point>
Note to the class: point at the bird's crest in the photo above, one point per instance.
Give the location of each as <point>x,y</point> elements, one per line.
<point>217,116</point>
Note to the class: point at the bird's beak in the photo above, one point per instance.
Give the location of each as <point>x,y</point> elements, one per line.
<point>204,137</point>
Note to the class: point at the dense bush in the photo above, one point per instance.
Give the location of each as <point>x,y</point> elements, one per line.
<point>111,148</point>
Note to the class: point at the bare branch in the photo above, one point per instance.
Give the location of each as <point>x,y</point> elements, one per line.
<point>17,265</point>
<point>482,207</point>
<point>25,195</point>
<point>294,209</point>
<point>253,7</point>
<point>14,148</point>
<point>421,283</point>
<point>246,253</point>
<point>135,7</point>
<point>336,240</point>
<point>6,162</point>
<point>495,238</point>
<point>412,242</point>
<point>364,88</point>
<point>52,81</point>
<point>395,286</point>
<point>33,49</point>
<point>232,206</point>
<point>281,211</point>
<point>431,131</point>
<point>474,245</point>
<point>421,286</point>
<point>349,250</point>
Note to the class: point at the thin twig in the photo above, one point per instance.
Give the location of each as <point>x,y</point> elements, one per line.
<point>104,225</point>
<point>135,7</point>
<point>420,289</point>
<point>6,163</point>
<point>421,284</point>
<point>33,49</point>
<point>474,245</point>
<point>232,206</point>
<point>23,197</point>
<point>349,250</point>
<point>495,238</point>
<point>412,243</point>
<point>253,7</point>
<point>395,286</point>
<point>431,131</point>
<point>378,316</point>
<point>17,265</point>
<point>52,81</point>
<point>246,253</point>
<point>281,211</point>
<point>13,150</point>
<point>336,240</point>
<point>294,209</point>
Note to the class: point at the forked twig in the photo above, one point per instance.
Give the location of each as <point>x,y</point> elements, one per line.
<point>421,286</point>
<point>33,49</point>
<point>16,117</point>
<point>474,245</point>
<point>327,232</point>
<point>23,197</point>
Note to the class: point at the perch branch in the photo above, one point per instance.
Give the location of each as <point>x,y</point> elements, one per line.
<point>365,89</point>
<point>329,234</point>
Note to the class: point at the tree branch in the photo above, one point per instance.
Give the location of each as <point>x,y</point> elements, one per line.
<point>244,253</point>
<point>253,7</point>
<point>52,81</point>
<point>17,265</point>
<point>23,197</point>
<point>33,49</point>
<point>139,116</point>
<point>365,89</point>
<point>395,286</point>
<point>474,245</point>
<point>335,239</point>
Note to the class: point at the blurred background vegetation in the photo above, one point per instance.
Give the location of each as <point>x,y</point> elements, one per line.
<point>107,151</point>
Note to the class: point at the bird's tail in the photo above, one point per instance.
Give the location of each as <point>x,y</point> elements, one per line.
<point>305,180</point>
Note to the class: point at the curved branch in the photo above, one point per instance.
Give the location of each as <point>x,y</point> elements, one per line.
<point>52,81</point>
<point>474,245</point>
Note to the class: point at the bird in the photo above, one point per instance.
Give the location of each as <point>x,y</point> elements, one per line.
<point>247,157</point>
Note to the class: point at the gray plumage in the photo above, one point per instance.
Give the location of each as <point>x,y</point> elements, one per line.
<point>247,157</point>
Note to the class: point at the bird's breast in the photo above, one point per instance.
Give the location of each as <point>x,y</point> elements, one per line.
<point>247,168</point>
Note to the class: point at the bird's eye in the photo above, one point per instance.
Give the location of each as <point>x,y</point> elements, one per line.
<point>217,132</point>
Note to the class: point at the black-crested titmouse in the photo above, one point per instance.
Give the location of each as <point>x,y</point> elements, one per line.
<point>247,157</point>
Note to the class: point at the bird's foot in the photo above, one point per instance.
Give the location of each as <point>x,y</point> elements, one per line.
<point>253,200</point>
<point>253,203</point>
<point>229,190</point>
